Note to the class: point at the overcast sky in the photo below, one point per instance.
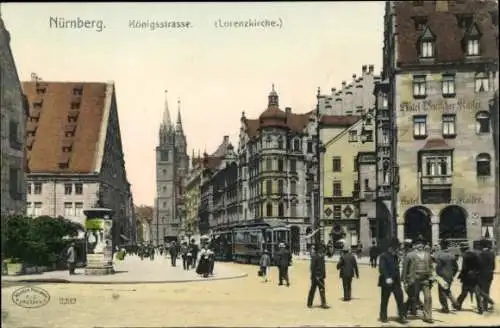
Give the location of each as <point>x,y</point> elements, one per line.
<point>216,72</point>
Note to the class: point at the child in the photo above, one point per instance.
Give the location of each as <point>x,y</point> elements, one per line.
<point>265,262</point>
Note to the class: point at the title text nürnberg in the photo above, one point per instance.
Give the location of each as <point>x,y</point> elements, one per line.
<point>77,23</point>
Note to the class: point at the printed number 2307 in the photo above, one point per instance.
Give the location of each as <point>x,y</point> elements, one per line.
<point>67,300</point>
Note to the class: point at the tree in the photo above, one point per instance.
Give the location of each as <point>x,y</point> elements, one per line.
<point>36,241</point>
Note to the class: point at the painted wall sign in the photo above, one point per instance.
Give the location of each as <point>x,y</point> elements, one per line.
<point>461,104</point>
<point>459,200</point>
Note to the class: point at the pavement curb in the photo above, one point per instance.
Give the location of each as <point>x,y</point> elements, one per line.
<point>65,281</point>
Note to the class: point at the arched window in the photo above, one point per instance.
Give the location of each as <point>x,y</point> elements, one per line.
<point>296,145</point>
<point>280,143</point>
<point>483,122</point>
<point>483,165</point>
<point>269,209</point>
<point>281,210</point>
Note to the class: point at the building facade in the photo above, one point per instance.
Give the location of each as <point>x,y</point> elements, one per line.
<point>192,197</point>
<point>74,153</point>
<point>344,138</point>
<point>440,63</point>
<point>354,98</point>
<point>276,153</point>
<point>14,111</point>
<point>172,165</point>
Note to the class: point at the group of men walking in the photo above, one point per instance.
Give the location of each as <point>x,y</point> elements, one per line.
<point>414,272</point>
<point>418,276</point>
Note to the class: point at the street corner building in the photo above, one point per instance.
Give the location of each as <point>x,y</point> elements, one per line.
<point>14,110</point>
<point>74,153</point>
<point>348,184</point>
<point>277,170</point>
<point>439,80</point>
<point>172,168</point>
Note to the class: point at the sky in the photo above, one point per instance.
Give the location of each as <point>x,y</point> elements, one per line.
<point>216,72</point>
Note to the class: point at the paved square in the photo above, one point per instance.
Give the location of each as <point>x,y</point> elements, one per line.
<point>236,302</point>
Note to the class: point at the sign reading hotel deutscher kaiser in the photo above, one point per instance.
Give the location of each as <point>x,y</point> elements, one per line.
<point>461,104</point>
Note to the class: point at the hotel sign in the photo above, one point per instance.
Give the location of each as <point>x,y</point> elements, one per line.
<point>459,200</point>
<point>425,106</point>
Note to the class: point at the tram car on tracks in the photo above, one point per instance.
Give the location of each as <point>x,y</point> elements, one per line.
<point>250,241</point>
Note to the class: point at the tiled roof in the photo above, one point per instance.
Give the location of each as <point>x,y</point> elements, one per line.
<point>293,122</point>
<point>444,25</point>
<point>339,120</point>
<point>435,143</point>
<point>211,162</point>
<point>52,132</point>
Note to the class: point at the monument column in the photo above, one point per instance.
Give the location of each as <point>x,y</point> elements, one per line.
<point>99,241</point>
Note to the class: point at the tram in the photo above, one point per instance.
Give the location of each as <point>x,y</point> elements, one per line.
<point>250,241</point>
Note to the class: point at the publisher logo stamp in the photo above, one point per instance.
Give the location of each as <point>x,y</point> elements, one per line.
<point>30,297</point>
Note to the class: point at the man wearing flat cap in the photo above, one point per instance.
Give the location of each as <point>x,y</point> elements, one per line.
<point>283,260</point>
<point>390,281</point>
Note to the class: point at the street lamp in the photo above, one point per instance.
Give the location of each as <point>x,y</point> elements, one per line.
<point>317,181</point>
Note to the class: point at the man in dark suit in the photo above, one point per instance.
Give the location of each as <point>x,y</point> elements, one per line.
<point>487,258</point>
<point>373,255</point>
<point>318,274</point>
<point>283,260</point>
<point>173,250</point>
<point>348,267</point>
<point>469,276</point>
<point>390,281</point>
<point>446,269</point>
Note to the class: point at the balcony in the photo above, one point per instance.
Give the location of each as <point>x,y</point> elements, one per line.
<point>436,181</point>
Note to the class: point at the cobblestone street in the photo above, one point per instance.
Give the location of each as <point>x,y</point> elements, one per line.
<point>235,302</point>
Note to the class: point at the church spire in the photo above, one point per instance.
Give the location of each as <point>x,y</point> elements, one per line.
<point>273,98</point>
<point>166,114</point>
<point>179,118</point>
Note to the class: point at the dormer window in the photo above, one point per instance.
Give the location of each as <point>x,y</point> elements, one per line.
<point>471,42</point>
<point>420,22</point>
<point>427,42</point>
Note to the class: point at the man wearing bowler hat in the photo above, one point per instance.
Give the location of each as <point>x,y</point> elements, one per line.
<point>283,260</point>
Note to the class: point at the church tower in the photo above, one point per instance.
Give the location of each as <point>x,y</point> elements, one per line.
<point>172,165</point>
<point>164,218</point>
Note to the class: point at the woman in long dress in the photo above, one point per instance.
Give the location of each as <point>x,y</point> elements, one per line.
<point>204,262</point>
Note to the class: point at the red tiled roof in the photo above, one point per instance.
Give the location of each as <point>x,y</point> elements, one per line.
<point>444,25</point>
<point>435,143</point>
<point>339,120</point>
<point>293,122</point>
<point>46,152</point>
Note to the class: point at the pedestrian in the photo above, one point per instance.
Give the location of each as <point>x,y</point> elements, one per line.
<point>487,257</point>
<point>71,258</point>
<point>173,253</point>
<point>211,261</point>
<point>194,250</point>
<point>390,282</point>
<point>470,274</point>
<point>203,263</point>
<point>348,268</point>
<point>373,254</point>
<point>283,261</point>
<point>417,273</point>
<point>264,263</point>
<point>318,274</point>
<point>184,256</point>
<point>446,269</point>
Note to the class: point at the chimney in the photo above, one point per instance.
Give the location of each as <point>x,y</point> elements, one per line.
<point>226,139</point>
<point>343,84</point>
<point>354,77</point>
<point>334,90</point>
<point>288,110</point>
<point>370,69</point>
<point>363,69</point>
<point>441,6</point>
